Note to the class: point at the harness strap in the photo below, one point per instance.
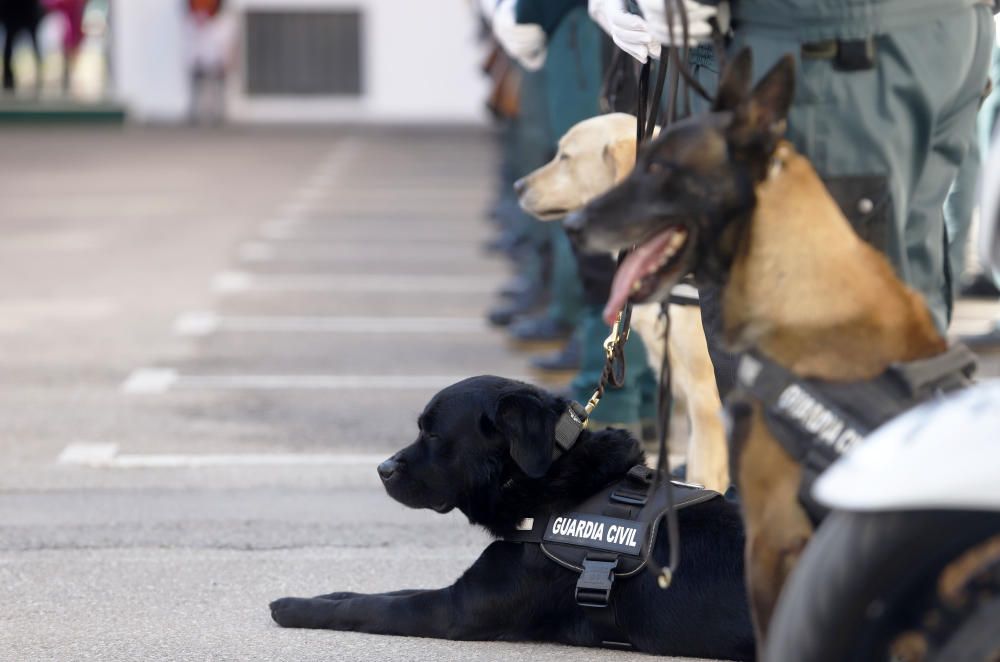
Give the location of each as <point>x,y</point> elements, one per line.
<point>942,373</point>
<point>817,421</point>
<point>684,294</point>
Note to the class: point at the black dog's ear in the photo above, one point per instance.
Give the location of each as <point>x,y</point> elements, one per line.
<point>734,84</point>
<point>526,423</point>
<point>772,98</point>
<point>759,123</point>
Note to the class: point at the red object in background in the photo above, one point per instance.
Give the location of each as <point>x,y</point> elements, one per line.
<point>73,11</point>
<point>207,8</point>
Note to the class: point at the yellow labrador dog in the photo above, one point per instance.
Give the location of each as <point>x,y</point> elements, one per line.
<point>593,157</point>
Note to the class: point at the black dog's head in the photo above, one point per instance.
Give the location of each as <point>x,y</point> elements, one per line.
<point>486,446</point>
<point>686,202</point>
<point>474,436</point>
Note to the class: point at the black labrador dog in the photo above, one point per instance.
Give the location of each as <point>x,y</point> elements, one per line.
<point>486,447</point>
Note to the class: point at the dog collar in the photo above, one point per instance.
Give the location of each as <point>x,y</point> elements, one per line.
<point>569,427</point>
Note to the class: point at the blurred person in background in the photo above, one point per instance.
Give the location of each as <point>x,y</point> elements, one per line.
<point>19,17</point>
<point>558,40</point>
<point>977,282</point>
<point>985,282</point>
<point>211,38</point>
<point>72,13</point>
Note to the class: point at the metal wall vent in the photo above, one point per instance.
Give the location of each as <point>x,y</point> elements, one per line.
<point>303,53</point>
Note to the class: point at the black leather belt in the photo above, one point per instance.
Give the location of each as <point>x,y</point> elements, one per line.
<point>847,54</point>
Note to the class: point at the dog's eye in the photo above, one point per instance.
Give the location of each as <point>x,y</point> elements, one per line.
<point>564,157</point>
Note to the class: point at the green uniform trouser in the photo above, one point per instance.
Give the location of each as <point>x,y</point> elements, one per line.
<point>575,72</point>
<point>573,83</point>
<point>958,208</point>
<point>909,120</point>
<point>527,146</point>
<point>987,122</point>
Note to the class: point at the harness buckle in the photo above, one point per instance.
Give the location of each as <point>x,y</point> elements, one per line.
<point>593,589</point>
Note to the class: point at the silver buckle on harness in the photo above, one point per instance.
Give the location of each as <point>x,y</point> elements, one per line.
<point>593,589</point>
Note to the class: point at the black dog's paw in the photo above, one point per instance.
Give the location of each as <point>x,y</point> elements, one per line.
<point>299,612</point>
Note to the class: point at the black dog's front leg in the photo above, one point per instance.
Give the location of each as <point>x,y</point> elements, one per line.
<point>343,595</point>
<point>494,599</point>
<point>422,614</point>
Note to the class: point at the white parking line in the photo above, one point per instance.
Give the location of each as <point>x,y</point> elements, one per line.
<point>107,456</point>
<point>204,323</point>
<point>152,381</point>
<point>57,241</point>
<point>229,282</point>
<point>256,251</point>
<point>376,229</point>
<point>359,251</point>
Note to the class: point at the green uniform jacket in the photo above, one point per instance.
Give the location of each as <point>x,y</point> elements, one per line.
<point>546,13</point>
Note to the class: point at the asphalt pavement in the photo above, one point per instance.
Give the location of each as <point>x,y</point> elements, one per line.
<point>208,339</point>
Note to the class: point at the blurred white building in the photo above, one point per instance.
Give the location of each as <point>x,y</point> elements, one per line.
<point>390,61</point>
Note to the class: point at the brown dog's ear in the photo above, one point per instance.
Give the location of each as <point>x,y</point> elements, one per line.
<point>620,157</point>
<point>734,84</point>
<point>525,422</point>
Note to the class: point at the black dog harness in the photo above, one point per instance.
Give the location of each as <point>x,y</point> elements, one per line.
<point>816,421</point>
<point>608,537</point>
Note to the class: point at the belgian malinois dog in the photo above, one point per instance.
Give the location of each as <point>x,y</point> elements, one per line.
<point>724,197</point>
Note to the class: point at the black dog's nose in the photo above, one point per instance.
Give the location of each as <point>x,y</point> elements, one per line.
<point>520,185</point>
<point>574,224</point>
<point>575,221</point>
<point>387,469</point>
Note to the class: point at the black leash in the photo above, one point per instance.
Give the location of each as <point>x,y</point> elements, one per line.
<point>677,57</point>
<point>613,373</point>
<point>647,111</point>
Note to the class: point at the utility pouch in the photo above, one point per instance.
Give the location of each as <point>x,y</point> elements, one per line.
<point>866,202</point>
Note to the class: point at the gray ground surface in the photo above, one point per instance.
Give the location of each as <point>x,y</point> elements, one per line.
<point>107,237</point>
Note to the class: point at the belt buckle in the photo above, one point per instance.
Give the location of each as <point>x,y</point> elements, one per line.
<point>855,54</point>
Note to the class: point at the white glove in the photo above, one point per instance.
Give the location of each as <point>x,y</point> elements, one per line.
<point>525,42</point>
<point>487,8</point>
<point>629,32</point>
<point>699,29</point>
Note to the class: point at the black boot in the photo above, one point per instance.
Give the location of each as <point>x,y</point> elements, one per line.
<point>523,304</point>
<point>540,329</point>
<point>566,360</point>
<point>979,286</point>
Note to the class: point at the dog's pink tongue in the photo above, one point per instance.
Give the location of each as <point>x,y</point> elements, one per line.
<point>638,263</point>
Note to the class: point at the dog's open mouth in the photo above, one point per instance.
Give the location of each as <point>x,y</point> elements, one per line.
<point>655,265</point>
